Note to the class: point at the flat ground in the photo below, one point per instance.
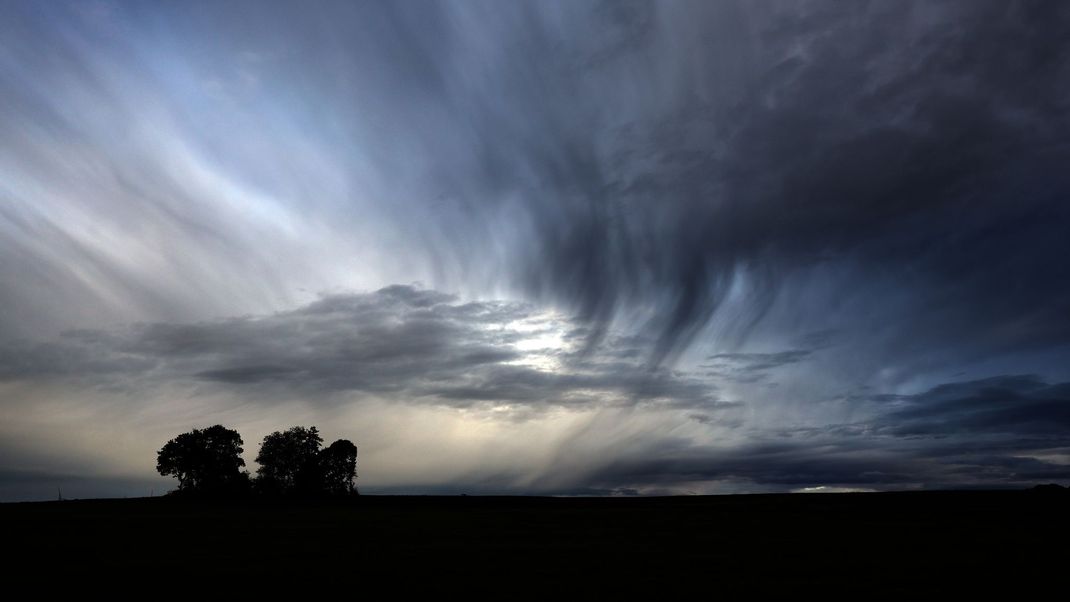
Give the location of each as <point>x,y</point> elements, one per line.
<point>900,543</point>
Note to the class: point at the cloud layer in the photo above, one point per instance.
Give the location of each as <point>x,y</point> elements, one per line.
<point>414,345</point>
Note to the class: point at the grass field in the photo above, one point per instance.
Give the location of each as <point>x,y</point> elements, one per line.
<point>902,543</point>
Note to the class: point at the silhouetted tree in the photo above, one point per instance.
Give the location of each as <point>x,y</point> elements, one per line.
<point>338,467</point>
<point>205,461</point>
<point>289,461</point>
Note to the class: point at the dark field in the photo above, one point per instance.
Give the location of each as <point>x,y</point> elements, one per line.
<point>903,543</point>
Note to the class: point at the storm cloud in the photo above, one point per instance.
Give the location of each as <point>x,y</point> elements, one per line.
<point>692,228</point>
<point>1000,431</point>
<point>412,344</point>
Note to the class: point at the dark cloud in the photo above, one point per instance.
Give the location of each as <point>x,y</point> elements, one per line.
<point>1021,406</point>
<point>818,142</point>
<point>1010,431</point>
<point>676,165</point>
<point>797,465</point>
<point>773,465</point>
<point>409,343</point>
<point>752,367</point>
<point>34,485</point>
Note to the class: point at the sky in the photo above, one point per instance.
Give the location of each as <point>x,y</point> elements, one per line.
<point>555,248</point>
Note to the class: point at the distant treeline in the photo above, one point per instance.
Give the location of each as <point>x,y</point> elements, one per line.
<point>208,462</point>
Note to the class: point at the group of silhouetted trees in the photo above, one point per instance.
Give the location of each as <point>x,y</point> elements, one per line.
<point>208,462</point>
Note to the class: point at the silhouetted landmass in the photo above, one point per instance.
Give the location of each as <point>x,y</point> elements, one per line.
<point>857,545</point>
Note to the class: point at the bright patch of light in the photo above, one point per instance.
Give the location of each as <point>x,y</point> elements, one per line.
<point>1059,459</point>
<point>542,342</point>
<point>828,489</point>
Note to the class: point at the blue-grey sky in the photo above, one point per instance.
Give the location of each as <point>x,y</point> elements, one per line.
<point>539,247</point>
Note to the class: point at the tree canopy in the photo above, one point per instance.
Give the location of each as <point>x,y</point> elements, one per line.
<point>291,463</point>
<point>288,460</point>
<point>204,461</point>
<point>338,467</point>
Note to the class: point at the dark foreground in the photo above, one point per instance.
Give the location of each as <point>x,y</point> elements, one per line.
<point>899,543</point>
